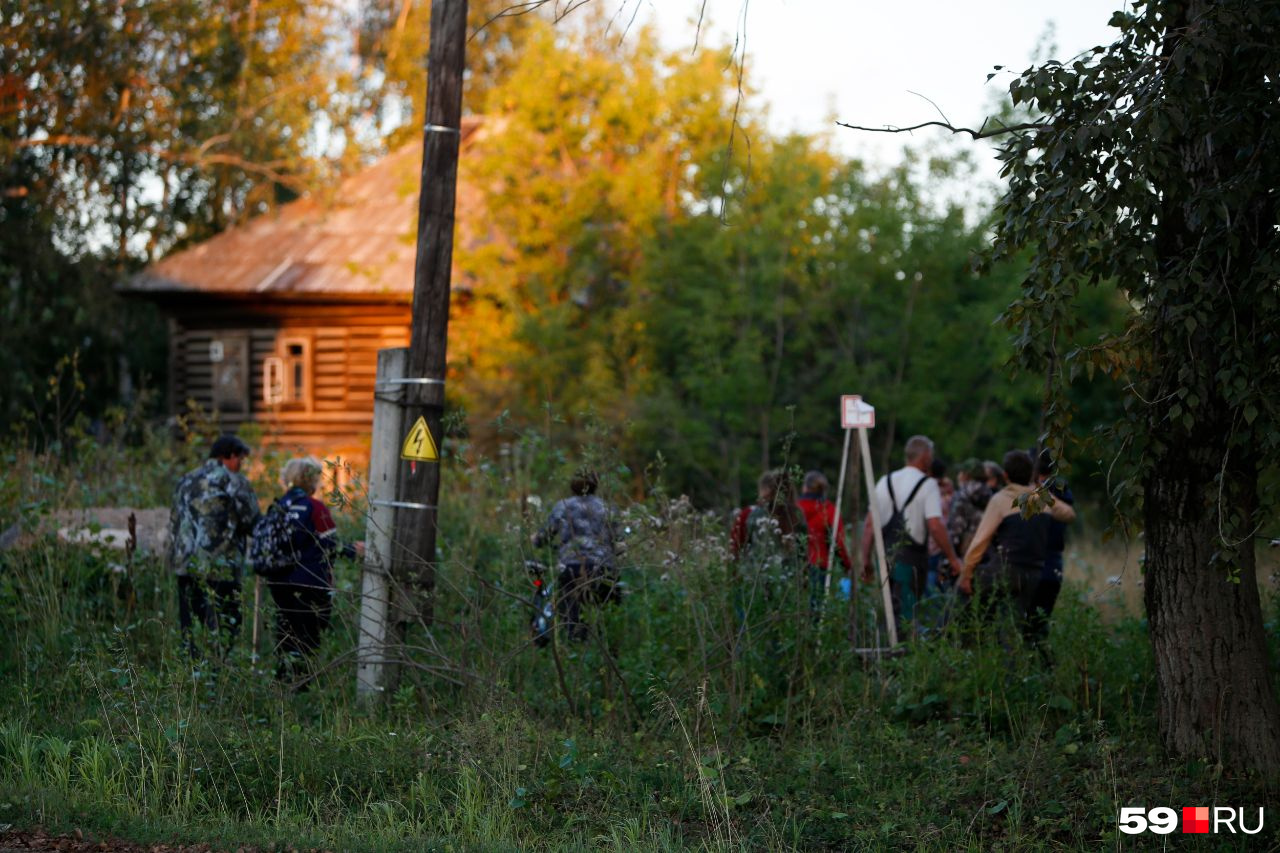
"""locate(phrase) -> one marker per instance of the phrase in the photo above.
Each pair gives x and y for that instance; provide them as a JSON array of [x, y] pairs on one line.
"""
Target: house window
[[287, 376], [297, 370], [228, 356]]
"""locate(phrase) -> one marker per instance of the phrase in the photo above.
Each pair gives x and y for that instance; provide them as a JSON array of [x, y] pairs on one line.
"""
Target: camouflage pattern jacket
[[965, 513], [209, 524], [582, 530]]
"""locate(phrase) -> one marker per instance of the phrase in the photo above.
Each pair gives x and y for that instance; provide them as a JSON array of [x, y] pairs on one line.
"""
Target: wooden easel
[[855, 414]]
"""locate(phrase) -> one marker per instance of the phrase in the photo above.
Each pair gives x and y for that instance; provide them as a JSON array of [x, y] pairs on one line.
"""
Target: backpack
[[271, 551], [897, 539]]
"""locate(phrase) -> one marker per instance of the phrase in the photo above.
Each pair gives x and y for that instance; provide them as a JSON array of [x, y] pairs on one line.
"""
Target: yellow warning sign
[[419, 445]]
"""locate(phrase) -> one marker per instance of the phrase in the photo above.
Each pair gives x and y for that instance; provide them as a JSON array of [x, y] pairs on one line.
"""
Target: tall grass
[[688, 719]]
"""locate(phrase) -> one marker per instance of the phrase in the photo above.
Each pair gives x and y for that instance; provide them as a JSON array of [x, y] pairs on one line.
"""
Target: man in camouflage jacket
[[582, 530], [214, 510]]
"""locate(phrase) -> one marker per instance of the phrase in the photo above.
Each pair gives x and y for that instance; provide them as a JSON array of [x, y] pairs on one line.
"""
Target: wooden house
[[279, 321]]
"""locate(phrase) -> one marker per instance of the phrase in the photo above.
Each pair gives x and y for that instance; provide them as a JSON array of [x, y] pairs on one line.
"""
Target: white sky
[[859, 60]]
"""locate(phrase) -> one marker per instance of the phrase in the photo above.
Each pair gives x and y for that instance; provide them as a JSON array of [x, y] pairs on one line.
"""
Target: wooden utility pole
[[417, 494]]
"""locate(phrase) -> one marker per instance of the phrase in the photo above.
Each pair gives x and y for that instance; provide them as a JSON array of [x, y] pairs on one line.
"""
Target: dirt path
[[108, 525]]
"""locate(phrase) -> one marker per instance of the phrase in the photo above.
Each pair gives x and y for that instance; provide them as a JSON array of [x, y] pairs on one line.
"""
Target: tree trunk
[[1212, 668], [1217, 700]]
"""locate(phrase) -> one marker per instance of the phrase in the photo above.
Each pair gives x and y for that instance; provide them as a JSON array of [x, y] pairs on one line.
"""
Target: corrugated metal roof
[[359, 244]]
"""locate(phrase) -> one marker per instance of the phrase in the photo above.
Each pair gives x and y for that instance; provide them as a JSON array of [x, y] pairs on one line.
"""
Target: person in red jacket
[[820, 516]]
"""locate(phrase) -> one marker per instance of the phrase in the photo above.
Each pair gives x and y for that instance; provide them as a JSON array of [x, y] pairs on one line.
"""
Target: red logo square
[[1195, 819]]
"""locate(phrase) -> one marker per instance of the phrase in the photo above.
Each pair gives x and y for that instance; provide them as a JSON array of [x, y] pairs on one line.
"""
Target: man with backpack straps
[[910, 509]]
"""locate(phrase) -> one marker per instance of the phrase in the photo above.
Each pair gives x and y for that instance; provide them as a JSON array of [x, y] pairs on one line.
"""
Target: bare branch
[[513, 11], [200, 157], [935, 106], [740, 51], [631, 23], [697, 34], [980, 133]]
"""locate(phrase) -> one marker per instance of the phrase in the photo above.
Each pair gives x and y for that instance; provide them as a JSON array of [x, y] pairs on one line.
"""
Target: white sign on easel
[[855, 413]]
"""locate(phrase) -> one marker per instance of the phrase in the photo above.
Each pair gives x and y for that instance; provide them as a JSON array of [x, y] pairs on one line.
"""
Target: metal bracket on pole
[[403, 504], [420, 381], [391, 386]]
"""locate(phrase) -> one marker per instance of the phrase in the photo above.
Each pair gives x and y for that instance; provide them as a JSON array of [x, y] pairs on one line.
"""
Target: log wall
[[343, 342]]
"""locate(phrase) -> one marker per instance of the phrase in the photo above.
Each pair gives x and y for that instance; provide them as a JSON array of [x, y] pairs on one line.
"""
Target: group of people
[[215, 513], [213, 516], [996, 534], [766, 535]]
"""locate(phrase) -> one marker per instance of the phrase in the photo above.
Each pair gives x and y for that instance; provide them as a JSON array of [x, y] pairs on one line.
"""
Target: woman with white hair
[[304, 597]]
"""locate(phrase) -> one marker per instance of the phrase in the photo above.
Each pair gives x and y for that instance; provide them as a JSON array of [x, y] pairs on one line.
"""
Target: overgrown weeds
[[692, 717]]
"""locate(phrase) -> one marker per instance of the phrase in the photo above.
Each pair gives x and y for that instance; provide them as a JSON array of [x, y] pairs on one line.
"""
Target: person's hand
[[956, 567], [965, 586], [359, 546]]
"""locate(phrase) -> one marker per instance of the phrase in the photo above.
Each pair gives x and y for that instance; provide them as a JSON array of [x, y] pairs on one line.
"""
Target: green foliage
[[1147, 176], [709, 290], [72, 345], [1145, 172], [826, 281]]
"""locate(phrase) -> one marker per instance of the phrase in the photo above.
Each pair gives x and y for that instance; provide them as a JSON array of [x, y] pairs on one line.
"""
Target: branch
[[935, 106], [980, 133], [200, 157], [697, 35], [517, 9]]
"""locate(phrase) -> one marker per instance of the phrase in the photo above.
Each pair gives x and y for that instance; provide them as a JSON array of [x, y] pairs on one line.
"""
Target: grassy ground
[[672, 728]]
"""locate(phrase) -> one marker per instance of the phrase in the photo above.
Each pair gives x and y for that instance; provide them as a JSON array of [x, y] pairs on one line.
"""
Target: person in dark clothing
[[304, 598], [583, 530], [937, 581], [1056, 543], [1020, 546], [213, 513]]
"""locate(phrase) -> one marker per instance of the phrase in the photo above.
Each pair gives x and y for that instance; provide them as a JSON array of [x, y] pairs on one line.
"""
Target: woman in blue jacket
[[304, 597]]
